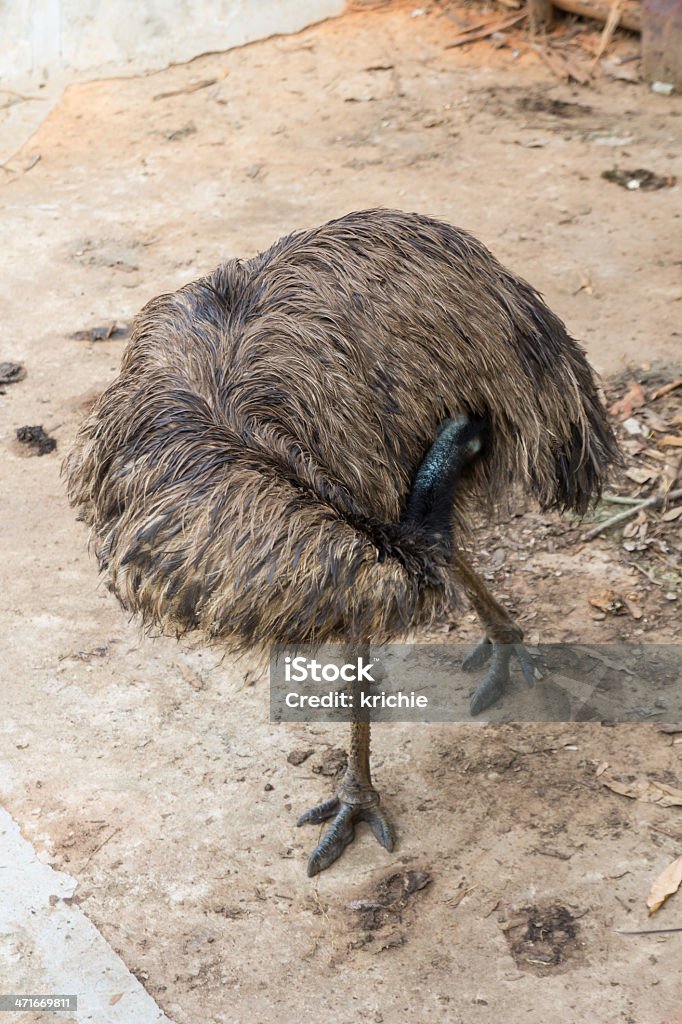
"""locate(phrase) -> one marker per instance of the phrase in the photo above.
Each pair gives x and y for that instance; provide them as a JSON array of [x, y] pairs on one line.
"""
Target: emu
[[294, 444]]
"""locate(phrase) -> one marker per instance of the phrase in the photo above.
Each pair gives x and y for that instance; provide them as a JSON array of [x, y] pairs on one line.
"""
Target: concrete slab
[[48, 946]]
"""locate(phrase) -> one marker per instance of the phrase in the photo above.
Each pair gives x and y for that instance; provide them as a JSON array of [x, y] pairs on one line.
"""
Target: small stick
[[609, 29], [666, 389], [649, 575], [620, 517], [99, 847], [20, 95], [648, 931], [486, 28], [657, 828], [203, 84], [617, 500]]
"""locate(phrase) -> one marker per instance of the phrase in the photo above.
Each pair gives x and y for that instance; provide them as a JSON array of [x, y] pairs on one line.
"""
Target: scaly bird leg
[[356, 800], [429, 507], [502, 640]]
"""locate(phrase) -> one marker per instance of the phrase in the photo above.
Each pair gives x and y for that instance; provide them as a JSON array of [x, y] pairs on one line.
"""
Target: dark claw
[[341, 831], [527, 663], [497, 676], [479, 656], [321, 812], [486, 694], [382, 829], [336, 838]]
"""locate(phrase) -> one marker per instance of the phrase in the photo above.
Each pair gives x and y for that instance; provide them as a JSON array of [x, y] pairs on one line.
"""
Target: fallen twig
[[648, 931], [203, 84], [649, 575], [667, 388], [486, 28], [620, 517], [99, 847], [19, 95], [610, 27], [616, 499]]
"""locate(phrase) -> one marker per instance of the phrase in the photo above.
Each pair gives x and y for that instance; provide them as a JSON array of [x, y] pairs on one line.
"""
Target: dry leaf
[[640, 476], [607, 601], [647, 790], [633, 398], [667, 883], [115, 998], [190, 676], [655, 421], [672, 514], [672, 441], [632, 446]]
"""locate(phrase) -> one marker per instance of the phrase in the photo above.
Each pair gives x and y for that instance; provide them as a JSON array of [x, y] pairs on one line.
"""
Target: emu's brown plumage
[[248, 471]]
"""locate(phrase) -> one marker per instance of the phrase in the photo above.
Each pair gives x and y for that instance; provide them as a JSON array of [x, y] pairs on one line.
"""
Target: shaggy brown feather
[[247, 471]]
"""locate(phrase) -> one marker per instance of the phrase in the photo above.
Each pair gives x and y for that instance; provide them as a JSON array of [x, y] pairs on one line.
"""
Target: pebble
[[663, 88]]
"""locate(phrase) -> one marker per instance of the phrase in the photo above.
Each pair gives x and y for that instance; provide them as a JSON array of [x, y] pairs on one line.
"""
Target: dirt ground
[[149, 770]]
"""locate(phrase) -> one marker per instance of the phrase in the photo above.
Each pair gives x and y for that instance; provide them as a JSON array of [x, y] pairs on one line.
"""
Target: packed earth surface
[[149, 769]]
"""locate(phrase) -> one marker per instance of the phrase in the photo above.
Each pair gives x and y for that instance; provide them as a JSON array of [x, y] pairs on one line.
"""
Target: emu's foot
[[497, 676], [341, 832]]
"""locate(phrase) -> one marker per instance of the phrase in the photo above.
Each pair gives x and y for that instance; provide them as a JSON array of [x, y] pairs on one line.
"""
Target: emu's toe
[[497, 676], [341, 831], [479, 656]]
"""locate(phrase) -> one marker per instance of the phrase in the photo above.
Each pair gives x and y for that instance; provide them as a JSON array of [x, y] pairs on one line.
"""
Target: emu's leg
[[502, 639], [356, 800], [429, 507]]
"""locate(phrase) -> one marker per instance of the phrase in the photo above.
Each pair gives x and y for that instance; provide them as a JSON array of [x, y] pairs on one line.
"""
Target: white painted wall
[[42, 40]]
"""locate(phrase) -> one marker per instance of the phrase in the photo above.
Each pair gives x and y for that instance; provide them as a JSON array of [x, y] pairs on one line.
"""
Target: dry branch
[[620, 517], [630, 15]]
